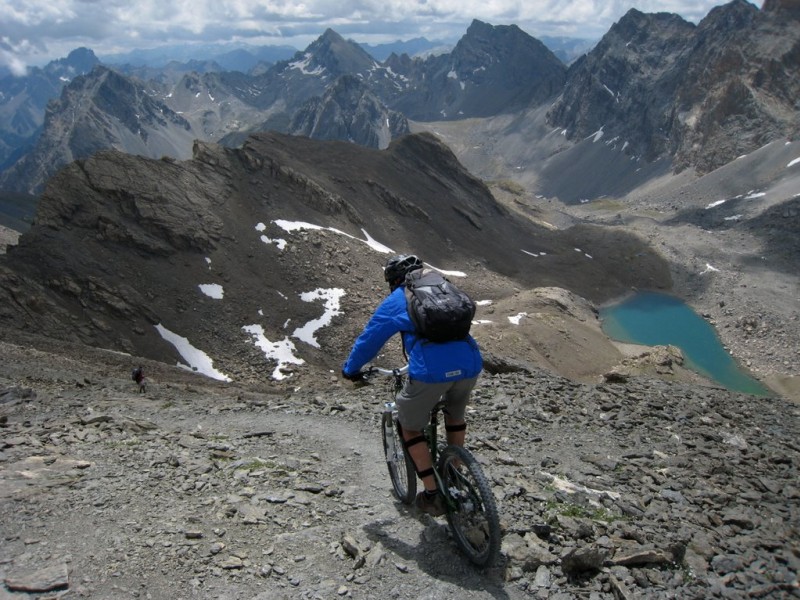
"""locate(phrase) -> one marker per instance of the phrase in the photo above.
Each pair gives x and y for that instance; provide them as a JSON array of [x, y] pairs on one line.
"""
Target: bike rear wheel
[[401, 468], [472, 511]]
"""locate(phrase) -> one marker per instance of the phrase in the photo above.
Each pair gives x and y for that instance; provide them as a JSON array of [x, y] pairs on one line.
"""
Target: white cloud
[[36, 31]]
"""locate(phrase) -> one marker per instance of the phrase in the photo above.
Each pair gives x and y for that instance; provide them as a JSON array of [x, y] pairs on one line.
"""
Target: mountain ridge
[[119, 210], [623, 88], [732, 79]]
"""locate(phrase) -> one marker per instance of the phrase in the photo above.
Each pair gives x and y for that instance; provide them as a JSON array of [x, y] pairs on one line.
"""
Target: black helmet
[[397, 267]]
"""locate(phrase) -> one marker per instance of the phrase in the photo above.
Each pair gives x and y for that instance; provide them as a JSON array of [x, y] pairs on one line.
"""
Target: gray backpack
[[440, 311]]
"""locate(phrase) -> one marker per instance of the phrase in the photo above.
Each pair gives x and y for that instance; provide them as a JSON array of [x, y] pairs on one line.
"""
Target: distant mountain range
[[656, 87], [246, 57], [229, 57]]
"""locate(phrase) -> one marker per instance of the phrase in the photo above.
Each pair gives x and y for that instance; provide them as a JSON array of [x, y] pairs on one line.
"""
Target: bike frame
[[430, 432], [466, 492]]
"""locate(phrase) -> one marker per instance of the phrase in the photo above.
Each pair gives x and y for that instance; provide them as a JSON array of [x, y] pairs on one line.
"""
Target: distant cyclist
[[138, 377], [449, 370]]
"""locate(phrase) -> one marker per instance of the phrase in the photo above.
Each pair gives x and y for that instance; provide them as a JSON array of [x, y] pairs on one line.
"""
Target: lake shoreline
[[657, 319]]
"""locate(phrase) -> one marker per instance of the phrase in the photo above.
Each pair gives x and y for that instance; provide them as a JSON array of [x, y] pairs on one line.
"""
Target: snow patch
[[212, 290], [197, 359]]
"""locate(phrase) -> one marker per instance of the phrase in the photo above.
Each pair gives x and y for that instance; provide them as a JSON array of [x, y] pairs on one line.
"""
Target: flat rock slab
[[47, 579]]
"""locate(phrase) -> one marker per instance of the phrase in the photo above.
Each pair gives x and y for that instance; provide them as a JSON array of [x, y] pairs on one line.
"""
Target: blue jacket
[[427, 361]]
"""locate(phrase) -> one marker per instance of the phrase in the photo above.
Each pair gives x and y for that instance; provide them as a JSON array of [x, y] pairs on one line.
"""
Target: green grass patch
[[576, 511], [512, 187], [606, 204], [128, 443]]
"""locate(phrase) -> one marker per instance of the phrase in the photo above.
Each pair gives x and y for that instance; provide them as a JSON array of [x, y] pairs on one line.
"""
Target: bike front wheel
[[471, 508], [401, 468]]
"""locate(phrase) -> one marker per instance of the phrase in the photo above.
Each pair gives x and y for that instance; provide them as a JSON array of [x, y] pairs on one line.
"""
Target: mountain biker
[[436, 370], [138, 377]]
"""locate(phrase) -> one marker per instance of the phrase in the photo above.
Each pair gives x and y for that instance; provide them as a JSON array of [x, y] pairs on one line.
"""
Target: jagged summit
[[328, 57], [349, 111], [102, 109], [79, 61], [339, 56], [696, 96], [492, 70], [23, 101]]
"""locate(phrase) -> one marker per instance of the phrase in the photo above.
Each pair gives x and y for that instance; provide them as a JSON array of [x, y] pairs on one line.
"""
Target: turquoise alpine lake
[[654, 319]]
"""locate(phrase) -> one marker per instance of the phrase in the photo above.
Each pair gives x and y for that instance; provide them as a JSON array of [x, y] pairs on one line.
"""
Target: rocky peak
[[640, 29], [78, 62], [786, 8], [23, 99], [504, 54], [492, 70], [339, 56], [349, 111], [729, 19], [399, 63], [697, 96], [102, 109], [623, 86]]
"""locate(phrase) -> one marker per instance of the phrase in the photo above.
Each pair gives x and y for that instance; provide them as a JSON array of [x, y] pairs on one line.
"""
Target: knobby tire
[[401, 470], [474, 522]]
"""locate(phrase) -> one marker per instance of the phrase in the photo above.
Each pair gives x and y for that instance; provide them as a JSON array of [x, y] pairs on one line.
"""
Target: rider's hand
[[359, 376]]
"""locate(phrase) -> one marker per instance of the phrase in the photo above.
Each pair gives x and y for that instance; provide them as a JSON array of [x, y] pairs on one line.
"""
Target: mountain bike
[[469, 503]]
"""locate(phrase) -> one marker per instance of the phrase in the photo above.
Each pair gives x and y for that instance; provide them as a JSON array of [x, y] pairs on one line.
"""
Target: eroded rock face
[[101, 109], [349, 111], [492, 70], [700, 95], [786, 8], [24, 99]]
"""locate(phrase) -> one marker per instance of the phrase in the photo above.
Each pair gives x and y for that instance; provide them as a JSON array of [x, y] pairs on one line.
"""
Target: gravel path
[[199, 489]]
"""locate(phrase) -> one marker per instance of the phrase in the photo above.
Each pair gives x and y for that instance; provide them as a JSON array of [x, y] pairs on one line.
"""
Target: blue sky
[[33, 32]]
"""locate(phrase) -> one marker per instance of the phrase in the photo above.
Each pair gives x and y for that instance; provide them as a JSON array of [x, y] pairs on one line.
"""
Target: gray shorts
[[416, 399]]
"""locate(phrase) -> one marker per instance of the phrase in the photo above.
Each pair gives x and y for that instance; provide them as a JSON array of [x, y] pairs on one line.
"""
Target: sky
[[34, 32]]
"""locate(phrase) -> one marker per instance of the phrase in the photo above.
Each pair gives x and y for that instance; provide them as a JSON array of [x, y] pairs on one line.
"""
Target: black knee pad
[[454, 428]]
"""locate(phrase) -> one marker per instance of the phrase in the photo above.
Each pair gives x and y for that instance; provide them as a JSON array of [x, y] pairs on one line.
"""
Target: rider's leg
[[456, 431], [421, 456], [456, 399], [414, 404]]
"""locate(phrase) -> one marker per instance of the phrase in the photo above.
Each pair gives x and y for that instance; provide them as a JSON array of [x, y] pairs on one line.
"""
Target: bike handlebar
[[372, 370]]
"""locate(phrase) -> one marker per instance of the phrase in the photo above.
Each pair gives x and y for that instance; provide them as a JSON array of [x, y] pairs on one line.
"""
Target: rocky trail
[[199, 489]]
